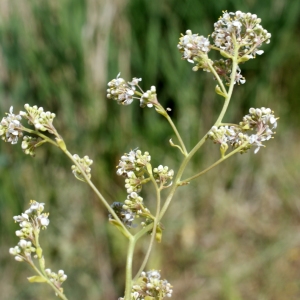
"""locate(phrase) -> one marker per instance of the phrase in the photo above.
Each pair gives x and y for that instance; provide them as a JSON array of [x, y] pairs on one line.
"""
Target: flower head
[[39, 118], [30, 222], [263, 121], [134, 161], [135, 203], [193, 46], [259, 120], [56, 278], [85, 164], [133, 165], [162, 174], [29, 145], [11, 127], [150, 286], [122, 91], [243, 28], [125, 92], [124, 214]]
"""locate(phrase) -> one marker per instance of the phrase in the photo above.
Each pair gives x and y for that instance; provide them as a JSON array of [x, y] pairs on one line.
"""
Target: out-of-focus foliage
[[233, 234]]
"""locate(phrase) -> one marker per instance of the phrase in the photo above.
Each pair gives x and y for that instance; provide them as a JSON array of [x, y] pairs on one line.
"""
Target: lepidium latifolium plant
[[237, 38]]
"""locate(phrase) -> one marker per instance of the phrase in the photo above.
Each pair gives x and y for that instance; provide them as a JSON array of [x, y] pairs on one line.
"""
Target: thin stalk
[[128, 282], [41, 260], [44, 137], [212, 69], [177, 181], [57, 291], [178, 176], [232, 82], [143, 231], [87, 179], [214, 164], [177, 133], [90, 183], [155, 222]]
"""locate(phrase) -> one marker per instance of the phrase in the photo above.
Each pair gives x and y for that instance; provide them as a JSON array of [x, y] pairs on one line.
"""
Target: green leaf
[[117, 224], [61, 144], [38, 279], [219, 91], [244, 58], [39, 252], [158, 235], [225, 54]]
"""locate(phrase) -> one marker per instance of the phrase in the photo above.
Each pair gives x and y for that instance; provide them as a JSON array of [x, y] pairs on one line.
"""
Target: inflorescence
[[135, 167], [11, 130], [31, 222], [125, 92], [234, 33], [149, 285], [83, 167], [260, 120], [39, 118], [11, 127]]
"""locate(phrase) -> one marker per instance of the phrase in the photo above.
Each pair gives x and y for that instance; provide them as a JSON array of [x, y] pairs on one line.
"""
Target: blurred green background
[[233, 234]]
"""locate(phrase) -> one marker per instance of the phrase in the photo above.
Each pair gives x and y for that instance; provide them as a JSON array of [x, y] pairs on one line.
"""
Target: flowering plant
[[237, 37]]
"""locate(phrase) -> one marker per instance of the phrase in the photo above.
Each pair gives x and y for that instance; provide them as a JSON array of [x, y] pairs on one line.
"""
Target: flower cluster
[[31, 221], [134, 203], [56, 278], [148, 98], [193, 46], [125, 214], [39, 118], [150, 286], [234, 33], [223, 69], [11, 127], [242, 30], [125, 92], [134, 161], [133, 165], [163, 174], [29, 144], [85, 164], [261, 120]]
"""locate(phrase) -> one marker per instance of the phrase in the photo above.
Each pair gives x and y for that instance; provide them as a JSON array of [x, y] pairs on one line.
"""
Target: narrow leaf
[[36, 279]]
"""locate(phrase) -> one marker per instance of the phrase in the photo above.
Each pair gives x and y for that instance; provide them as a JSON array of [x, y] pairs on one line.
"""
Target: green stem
[[186, 181], [57, 291], [44, 137], [176, 132], [228, 124], [177, 181], [212, 69], [87, 179], [128, 282], [41, 260], [100, 196], [155, 222], [232, 81]]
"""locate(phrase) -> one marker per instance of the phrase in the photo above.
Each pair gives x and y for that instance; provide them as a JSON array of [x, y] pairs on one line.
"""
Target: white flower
[[43, 220], [192, 46], [11, 127]]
